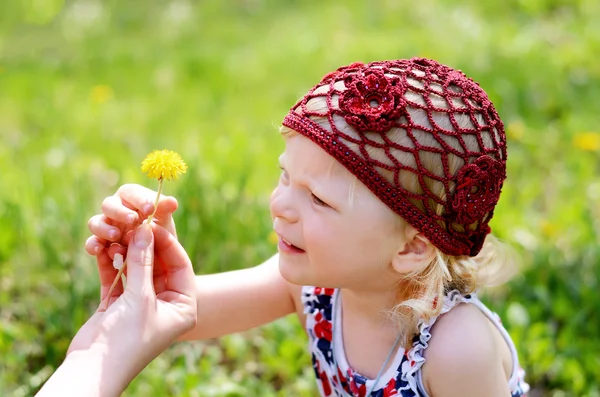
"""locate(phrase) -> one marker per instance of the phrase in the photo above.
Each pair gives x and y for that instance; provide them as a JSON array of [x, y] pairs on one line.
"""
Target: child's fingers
[[139, 197], [142, 199], [177, 263], [100, 227], [114, 208], [164, 213], [94, 245], [140, 261], [116, 249]]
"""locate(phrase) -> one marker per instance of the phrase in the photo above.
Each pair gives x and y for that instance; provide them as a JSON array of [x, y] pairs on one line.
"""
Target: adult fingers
[[107, 274], [140, 260], [160, 273], [177, 263]]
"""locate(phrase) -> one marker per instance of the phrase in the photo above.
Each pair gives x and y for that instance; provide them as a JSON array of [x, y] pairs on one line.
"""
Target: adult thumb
[[140, 260]]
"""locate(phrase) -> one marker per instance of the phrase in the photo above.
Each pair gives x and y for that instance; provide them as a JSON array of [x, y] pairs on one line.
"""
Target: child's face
[[333, 231]]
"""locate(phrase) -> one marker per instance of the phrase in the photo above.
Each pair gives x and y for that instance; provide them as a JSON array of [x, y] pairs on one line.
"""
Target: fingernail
[[118, 261], [112, 234], [131, 219], [97, 249], [148, 209], [143, 236]]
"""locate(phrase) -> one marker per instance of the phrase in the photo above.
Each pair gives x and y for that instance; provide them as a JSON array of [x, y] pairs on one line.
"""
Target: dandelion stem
[[120, 273], [114, 284], [160, 188]]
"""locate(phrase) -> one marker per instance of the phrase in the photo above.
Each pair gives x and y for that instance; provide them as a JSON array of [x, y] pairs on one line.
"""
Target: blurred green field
[[89, 87]]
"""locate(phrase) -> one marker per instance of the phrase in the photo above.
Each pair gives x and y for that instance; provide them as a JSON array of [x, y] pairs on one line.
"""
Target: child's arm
[[242, 299], [464, 357]]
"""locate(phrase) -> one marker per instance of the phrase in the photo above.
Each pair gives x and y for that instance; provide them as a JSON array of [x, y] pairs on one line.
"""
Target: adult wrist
[[112, 367], [86, 373]]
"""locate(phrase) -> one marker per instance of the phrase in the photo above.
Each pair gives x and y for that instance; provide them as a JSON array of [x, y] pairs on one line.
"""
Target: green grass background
[[89, 87]]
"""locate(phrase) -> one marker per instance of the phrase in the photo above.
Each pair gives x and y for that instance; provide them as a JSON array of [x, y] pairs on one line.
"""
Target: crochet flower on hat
[[372, 101], [478, 189]]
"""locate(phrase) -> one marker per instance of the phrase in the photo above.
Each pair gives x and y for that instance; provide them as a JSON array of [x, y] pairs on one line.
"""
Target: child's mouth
[[286, 246]]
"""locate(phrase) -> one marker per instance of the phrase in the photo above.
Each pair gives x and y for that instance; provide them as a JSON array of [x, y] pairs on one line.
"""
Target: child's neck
[[371, 306], [369, 336]]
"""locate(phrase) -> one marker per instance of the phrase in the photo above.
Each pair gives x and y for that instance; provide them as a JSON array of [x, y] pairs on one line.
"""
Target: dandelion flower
[[588, 141], [164, 164], [101, 94]]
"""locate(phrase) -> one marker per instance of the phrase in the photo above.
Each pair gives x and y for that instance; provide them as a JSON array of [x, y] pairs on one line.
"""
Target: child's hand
[[157, 306], [122, 212]]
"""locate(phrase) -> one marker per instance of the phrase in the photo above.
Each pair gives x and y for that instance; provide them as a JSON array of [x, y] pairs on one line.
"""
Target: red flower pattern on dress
[[390, 389], [342, 378], [323, 328], [372, 101], [324, 380], [324, 291], [356, 389], [325, 383]]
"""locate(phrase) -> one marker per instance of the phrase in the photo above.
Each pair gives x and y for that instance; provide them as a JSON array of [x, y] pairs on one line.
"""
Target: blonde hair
[[421, 294]]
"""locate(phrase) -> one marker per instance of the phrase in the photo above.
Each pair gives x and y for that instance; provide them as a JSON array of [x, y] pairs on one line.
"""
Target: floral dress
[[403, 377]]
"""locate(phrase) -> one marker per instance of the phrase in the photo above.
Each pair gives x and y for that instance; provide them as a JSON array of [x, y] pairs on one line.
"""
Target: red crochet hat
[[422, 136]]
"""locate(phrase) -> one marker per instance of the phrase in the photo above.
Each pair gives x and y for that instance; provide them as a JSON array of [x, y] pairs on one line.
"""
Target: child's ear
[[416, 253]]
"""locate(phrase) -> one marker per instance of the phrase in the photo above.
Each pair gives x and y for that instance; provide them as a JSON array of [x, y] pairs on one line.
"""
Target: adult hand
[[141, 321]]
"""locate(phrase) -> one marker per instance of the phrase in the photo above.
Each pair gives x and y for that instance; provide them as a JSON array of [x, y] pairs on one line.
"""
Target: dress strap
[[516, 384], [421, 342], [495, 319]]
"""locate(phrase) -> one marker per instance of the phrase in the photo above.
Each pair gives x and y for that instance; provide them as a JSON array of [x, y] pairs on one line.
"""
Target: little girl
[[390, 175]]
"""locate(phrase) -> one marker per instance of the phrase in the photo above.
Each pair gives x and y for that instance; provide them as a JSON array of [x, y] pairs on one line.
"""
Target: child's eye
[[318, 201]]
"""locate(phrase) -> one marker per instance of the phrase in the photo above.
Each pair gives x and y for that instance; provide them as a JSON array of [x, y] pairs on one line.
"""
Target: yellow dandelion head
[[515, 130], [164, 164], [101, 94], [589, 141], [273, 238]]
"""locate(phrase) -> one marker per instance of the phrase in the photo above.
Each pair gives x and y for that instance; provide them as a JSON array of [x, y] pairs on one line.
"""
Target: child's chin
[[295, 273]]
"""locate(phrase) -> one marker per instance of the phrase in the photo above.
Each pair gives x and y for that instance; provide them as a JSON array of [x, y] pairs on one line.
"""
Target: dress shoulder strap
[[421, 341], [516, 382]]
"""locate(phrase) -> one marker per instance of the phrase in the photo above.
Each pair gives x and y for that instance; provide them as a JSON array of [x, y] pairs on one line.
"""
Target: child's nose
[[282, 206]]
